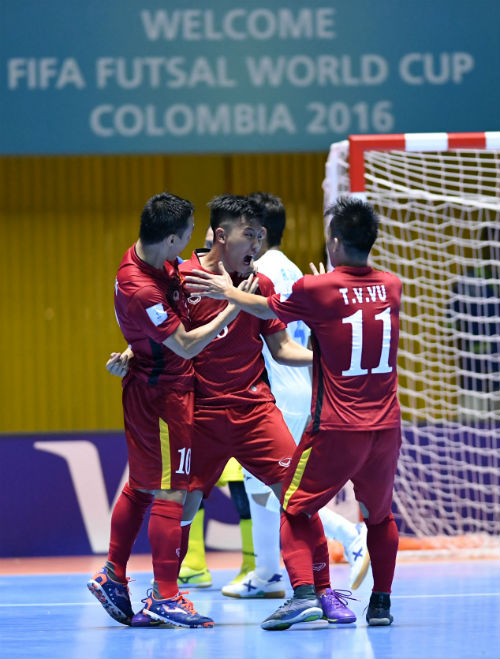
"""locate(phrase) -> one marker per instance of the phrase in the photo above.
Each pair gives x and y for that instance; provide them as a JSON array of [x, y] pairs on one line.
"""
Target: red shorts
[[256, 435], [158, 428], [324, 461]]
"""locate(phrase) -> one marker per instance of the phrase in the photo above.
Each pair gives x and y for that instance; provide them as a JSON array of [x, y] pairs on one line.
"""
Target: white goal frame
[[462, 498]]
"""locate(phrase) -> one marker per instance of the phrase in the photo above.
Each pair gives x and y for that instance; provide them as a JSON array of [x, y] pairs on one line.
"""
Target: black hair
[[272, 215], [163, 215], [230, 207], [355, 223]]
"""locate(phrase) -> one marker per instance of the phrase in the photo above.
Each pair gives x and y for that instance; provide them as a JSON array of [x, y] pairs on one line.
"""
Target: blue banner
[[171, 77], [58, 492]]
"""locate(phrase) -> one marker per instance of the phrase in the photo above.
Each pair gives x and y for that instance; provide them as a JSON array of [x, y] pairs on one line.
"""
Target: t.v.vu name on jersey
[[362, 294]]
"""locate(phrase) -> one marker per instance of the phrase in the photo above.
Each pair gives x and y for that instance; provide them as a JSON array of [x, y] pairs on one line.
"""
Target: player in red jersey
[[235, 412], [158, 396], [355, 431]]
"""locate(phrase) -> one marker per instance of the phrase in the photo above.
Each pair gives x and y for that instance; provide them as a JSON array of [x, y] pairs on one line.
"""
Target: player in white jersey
[[292, 389]]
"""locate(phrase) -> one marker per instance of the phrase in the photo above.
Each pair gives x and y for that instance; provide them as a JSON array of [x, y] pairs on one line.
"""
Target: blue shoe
[[292, 612], [334, 605], [113, 595], [174, 612]]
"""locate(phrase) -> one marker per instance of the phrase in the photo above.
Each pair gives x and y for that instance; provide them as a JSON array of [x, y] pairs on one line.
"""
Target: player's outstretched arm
[[286, 351], [183, 343], [221, 287], [189, 344]]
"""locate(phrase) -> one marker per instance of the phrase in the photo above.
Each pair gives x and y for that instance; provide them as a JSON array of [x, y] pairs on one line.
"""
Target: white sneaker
[[252, 587], [358, 558]]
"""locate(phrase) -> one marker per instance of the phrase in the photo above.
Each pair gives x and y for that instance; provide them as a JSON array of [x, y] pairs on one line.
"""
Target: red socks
[[321, 556], [126, 521], [164, 534], [382, 541], [305, 550]]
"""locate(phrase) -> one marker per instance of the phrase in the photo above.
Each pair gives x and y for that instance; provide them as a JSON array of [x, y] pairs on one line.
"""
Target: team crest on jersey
[[194, 299], [157, 314], [223, 333], [285, 462]]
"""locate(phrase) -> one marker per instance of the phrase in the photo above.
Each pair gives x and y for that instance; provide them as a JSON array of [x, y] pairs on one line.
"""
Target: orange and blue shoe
[[113, 595], [174, 612]]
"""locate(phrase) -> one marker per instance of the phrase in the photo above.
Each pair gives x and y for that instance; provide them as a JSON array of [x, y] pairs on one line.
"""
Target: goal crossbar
[[358, 144]]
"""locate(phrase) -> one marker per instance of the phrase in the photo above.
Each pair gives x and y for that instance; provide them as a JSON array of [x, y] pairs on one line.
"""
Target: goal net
[[438, 198]]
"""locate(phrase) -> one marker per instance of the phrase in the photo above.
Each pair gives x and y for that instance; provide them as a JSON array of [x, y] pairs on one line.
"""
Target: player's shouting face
[[241, 241]]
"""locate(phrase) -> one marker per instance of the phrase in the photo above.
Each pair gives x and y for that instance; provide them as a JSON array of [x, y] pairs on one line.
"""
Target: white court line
[[393, 597], [3, 605], [410, 597]]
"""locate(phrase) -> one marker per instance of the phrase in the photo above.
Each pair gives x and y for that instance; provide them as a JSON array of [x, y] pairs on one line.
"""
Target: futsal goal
[[438, 198]]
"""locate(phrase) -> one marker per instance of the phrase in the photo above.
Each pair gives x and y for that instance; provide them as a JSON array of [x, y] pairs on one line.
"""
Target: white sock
[[266, 539], [338, 527]]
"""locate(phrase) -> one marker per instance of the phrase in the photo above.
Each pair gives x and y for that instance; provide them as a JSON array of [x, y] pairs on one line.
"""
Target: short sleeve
[[272, 325], [295, 306], [152, 313]]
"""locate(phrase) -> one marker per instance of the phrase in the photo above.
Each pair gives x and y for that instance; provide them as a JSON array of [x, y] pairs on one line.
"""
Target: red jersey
[[353, 314], [230, 370], [150, 304]]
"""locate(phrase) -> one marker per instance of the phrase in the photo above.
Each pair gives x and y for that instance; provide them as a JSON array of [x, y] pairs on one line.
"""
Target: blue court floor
[[442, 610]]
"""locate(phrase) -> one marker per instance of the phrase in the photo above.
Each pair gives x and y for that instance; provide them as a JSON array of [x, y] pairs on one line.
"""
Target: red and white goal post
[[438, 198]]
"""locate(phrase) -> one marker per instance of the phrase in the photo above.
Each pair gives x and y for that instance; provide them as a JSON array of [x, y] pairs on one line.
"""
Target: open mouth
[[248, 260]]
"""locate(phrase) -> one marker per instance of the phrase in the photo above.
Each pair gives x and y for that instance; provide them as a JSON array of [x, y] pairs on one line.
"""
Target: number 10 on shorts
[[185, 461]]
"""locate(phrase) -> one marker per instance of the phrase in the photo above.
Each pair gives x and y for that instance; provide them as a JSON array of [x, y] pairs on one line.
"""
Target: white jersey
[[290, 385]]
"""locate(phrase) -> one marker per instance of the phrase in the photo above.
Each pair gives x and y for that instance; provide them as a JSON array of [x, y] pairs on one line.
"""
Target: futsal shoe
[[194, 578], [173, 612], [334, 605], [292, 612], [113, 595], [379, 610], [245, 569], [358, 557], [253, 587]]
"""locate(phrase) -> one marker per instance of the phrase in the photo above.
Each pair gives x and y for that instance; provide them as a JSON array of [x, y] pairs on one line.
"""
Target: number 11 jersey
[[353, 314]]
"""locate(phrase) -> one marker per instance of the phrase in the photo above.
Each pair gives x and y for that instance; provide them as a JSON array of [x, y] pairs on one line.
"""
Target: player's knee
[[177, 496], [192, 504], [381, 519]]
